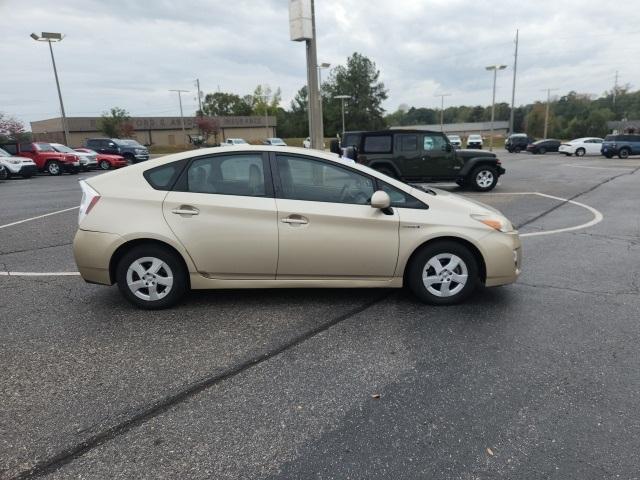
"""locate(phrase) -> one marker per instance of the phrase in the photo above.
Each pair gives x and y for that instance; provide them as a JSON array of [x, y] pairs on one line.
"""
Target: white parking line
[[598, 168], [39, 274], [597, 216], [39, 216]]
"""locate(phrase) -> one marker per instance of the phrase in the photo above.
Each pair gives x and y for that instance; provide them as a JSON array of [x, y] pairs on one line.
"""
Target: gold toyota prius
[[281, 217]]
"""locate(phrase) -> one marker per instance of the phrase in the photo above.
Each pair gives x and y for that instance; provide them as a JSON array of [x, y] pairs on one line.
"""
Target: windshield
[[127, 143], [474, 137], [62, 148], [45, 147], [610, 138], [86, 150], [454, 137], [4, 153]]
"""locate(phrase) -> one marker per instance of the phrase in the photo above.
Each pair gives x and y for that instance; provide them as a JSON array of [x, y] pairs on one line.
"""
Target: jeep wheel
[[387, 171], [624, 153], [580, 152], [443, 273], [483, 178], [54, 168]]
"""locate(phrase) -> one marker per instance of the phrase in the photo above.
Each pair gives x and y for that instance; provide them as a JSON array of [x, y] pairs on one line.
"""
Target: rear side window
[[26, 147], [242, 175], [377, 144], [12, 149], [408, 143], [164, 176]]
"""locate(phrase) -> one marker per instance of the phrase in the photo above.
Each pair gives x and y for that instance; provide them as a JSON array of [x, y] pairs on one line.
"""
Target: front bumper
[[141, 156], [474, 145], [502, 254]]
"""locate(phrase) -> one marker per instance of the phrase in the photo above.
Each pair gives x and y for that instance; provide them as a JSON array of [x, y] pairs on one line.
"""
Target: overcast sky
[[129, 53]]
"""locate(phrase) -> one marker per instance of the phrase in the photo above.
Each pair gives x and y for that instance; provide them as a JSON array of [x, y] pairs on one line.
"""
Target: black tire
[[608, 155], [580, 152], [624, 153], [54, 168], [130, 158], [177, 271], [387, 171], [517, 149], [419, 263], [542, 151], [483, 171], [104, 165]]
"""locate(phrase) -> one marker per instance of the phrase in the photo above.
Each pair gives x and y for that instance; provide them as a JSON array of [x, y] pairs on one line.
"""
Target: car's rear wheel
[[483, 178], [542, 151], [443, 273], [151, 277], [54, 168], [624, 153], [104, 165], [387, 171], [580, 152]]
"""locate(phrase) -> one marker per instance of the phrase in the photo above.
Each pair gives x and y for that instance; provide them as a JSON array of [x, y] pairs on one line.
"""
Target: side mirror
[[380, 200]]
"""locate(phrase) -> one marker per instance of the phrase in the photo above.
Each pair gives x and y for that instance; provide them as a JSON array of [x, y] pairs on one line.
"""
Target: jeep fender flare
[[472, 163], [375, 165]]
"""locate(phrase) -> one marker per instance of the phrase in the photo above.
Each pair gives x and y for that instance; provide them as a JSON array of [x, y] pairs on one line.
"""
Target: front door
[[225, 215], [327, 229]]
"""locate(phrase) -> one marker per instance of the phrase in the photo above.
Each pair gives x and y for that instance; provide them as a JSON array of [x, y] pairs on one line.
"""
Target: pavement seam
[[154, 409], [36, 248], [589, 190]]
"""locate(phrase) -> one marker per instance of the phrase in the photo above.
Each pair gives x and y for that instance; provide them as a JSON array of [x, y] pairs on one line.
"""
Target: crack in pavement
[[635, 291], [36, 248], [151, 410]]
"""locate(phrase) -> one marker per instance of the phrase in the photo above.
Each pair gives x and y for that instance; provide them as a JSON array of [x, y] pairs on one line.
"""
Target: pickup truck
[[419, 156], [45, 157]]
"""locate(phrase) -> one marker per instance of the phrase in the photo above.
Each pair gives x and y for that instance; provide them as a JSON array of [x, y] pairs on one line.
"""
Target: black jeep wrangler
[[423, 156]]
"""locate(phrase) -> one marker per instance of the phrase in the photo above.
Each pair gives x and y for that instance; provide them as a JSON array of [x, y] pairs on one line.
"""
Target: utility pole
[[199, 97], [546, 113], [184, 131], [513, 89], [442, 95], [495, 69], [342, 99], [615, 89]]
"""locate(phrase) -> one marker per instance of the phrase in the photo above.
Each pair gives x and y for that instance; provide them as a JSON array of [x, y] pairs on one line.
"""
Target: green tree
[[112, 122], [224, 104]]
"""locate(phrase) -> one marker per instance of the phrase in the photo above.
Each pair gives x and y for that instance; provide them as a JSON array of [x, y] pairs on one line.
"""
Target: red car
[[105, 162], [46, 158]]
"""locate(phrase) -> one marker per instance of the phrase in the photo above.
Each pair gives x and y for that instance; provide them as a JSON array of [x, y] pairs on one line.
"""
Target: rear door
[[327, 229], [437, 156], [223, 211], [408, 153]]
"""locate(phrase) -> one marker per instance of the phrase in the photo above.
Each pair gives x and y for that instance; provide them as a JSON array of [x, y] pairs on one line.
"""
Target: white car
[[307, 142], [20, 166], [87, 160], [278, 142], [582, 146], [474, 141], [455, 141], [235, 141]]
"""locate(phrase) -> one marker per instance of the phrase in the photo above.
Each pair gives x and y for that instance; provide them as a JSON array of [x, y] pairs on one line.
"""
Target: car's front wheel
[[104, 165], [517, 149], [484, 178], [624, 153], [151, 277], [54, 168], [542, 151], [443, 273]]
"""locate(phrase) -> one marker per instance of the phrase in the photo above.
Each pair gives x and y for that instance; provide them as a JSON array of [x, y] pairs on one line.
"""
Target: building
[[624, 126], [155, 130], [464, 129]]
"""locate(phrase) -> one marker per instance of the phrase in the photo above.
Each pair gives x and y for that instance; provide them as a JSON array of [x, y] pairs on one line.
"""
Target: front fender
[[472, 163]]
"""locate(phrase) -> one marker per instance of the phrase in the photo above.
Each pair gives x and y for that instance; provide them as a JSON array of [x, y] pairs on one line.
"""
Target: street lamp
[[265, 98], [342, 99], [442, 95], [495, 69], [50, 37], [320, 67], [184, 132]]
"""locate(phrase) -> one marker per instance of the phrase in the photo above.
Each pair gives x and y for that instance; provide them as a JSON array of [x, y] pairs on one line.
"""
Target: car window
[[434, 143], [164, 176], [408, 143], [597, 140], [26, 147], [318, 181], [351, 140], [399, 198], [377, 144], [228, 175], [12, 149]]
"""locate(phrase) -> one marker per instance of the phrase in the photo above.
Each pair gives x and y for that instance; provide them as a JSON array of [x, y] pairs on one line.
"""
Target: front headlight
[[496, 222], [14, 161]]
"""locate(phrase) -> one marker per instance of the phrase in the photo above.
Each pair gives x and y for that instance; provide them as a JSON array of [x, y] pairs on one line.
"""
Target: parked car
[[455, 141], [306, 143], [45, 157], [105, 161], [544, 146], [88, 161], [235, 141], [516, 142], [128, 148], [17, 166], [334, 225], [3, 173], [621, 145], [424, 156], [275, 141], [582, 146], [474, 141]]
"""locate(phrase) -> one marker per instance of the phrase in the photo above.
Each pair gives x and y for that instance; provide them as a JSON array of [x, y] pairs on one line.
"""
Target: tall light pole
[[495, 69], [320, 67], [342, 99], [546, 111], [513, 89], [442, 95], [265, 98], [51, 37], [184, 132], [199, 97]]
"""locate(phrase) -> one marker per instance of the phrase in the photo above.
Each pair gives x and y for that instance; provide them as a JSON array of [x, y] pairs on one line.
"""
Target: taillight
[[89, 200]]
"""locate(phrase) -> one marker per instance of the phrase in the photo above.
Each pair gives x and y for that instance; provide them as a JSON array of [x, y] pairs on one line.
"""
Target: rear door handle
[[295, 220], [185, 210]]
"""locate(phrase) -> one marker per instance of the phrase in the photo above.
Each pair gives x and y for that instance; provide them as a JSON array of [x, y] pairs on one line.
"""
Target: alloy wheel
[[445, 275], [104, 165], [149, 278], [484, 178]]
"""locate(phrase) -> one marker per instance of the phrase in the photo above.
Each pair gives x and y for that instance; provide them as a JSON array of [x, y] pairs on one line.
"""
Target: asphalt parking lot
[[539, 379]]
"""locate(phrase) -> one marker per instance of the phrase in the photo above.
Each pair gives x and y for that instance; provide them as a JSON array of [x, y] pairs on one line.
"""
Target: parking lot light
[[495, 69], [342, 98], [51, 37]]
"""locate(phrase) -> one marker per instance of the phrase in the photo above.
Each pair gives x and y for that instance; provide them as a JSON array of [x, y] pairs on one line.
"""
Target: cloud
[[130, 53]]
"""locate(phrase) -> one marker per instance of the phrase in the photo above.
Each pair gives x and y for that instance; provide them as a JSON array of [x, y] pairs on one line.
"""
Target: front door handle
[[185, 210], [295, 220]]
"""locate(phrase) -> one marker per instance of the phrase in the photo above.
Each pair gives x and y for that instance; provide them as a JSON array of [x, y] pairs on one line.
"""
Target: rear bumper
[[92, 252]]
